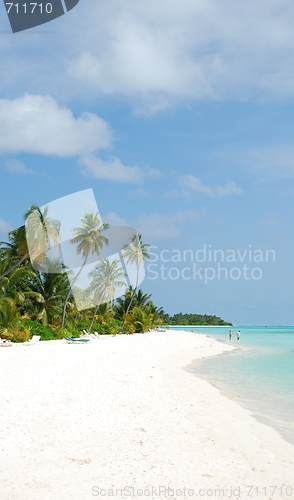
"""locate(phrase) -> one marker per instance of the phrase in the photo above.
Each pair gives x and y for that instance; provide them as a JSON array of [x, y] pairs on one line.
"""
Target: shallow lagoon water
[[259, 374]]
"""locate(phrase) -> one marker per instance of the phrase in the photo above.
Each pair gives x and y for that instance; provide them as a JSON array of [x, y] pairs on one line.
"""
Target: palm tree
[[16, 248], [107, 276], [130, 298], [142, 299], [104, 313], [10, 319], [139, 320], [136, 252], [32, 238], [52, 290], [157, 313], [17, 286], [89, 240]]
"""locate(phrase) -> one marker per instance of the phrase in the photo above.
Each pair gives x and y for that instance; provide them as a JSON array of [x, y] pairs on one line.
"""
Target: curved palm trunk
[[95, 312], [134, 292], [14, 266], [69, 291], [93, 318]]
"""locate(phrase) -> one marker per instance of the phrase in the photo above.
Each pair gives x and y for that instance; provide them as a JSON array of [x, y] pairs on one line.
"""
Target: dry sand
[[80, 421]]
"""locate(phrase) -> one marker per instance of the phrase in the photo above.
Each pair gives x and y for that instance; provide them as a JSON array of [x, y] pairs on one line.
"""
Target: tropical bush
[[47, 332], [138, 320], [21, 335]]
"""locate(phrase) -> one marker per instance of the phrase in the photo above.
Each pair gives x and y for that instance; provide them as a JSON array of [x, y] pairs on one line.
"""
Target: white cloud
[[16, 167], [156, 226], [114, 219], [274, 161], [192, 183], [158, 53], [115, 170], [4, 226], [164, 226], [278, 159], [37, 124], [140, 191]]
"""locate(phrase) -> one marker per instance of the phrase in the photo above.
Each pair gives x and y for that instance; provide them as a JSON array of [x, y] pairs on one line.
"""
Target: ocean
[[259, 374]]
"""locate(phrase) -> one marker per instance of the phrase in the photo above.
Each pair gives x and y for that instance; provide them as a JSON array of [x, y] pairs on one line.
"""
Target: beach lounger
[[33, 341], [70, 340], [5, 343]]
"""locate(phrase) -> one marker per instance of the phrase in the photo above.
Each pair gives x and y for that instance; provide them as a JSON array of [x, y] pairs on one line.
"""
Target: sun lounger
[[33, 341], [71, 340], [5, 343]]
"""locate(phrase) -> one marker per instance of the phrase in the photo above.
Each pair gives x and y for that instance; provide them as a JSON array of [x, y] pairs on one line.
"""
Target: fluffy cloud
[[4, 226], [16, 167], [276, 160], [37, 124], [157, 53], [114, 219], [115, 170], [156, 226], [160, 52], [164, 226], [192, 183]]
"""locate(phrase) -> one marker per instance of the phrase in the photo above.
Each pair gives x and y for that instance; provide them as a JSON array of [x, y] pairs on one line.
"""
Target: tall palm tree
[[136, 252], [89, 240], [107, 276], [32, 238], [41, 231]]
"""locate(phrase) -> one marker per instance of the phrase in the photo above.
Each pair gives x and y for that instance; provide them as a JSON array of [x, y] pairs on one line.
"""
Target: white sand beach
[[80, 421]]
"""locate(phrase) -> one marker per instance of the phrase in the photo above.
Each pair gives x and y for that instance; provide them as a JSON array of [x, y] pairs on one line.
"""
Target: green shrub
[[47, 332], [109, 328], [21, 335]]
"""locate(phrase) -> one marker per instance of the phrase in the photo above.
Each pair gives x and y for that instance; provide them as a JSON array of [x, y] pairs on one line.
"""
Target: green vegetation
[[33, 302], [36, 302], [194, 319]]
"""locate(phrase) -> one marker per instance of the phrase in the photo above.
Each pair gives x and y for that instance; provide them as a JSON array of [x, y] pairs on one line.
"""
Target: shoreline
[[233, 391], [125, 411]]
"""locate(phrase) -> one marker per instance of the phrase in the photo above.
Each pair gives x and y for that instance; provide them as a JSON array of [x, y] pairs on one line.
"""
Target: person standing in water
[[238, 335], [230, 335]]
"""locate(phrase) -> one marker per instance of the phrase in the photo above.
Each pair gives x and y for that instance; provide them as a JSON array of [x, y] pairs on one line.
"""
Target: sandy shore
[[80, 421]]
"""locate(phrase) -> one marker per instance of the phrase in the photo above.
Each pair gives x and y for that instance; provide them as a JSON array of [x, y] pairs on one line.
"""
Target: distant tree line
[[194, 319]]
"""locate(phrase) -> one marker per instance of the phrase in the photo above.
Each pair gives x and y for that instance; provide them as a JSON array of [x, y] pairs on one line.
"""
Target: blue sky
[[179, 115]]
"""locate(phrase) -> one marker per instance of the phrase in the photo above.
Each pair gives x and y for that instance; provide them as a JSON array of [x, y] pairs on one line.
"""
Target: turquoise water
[[259, 374]]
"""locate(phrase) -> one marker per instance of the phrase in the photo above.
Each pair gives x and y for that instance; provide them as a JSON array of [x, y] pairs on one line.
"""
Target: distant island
[[194, 319]]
